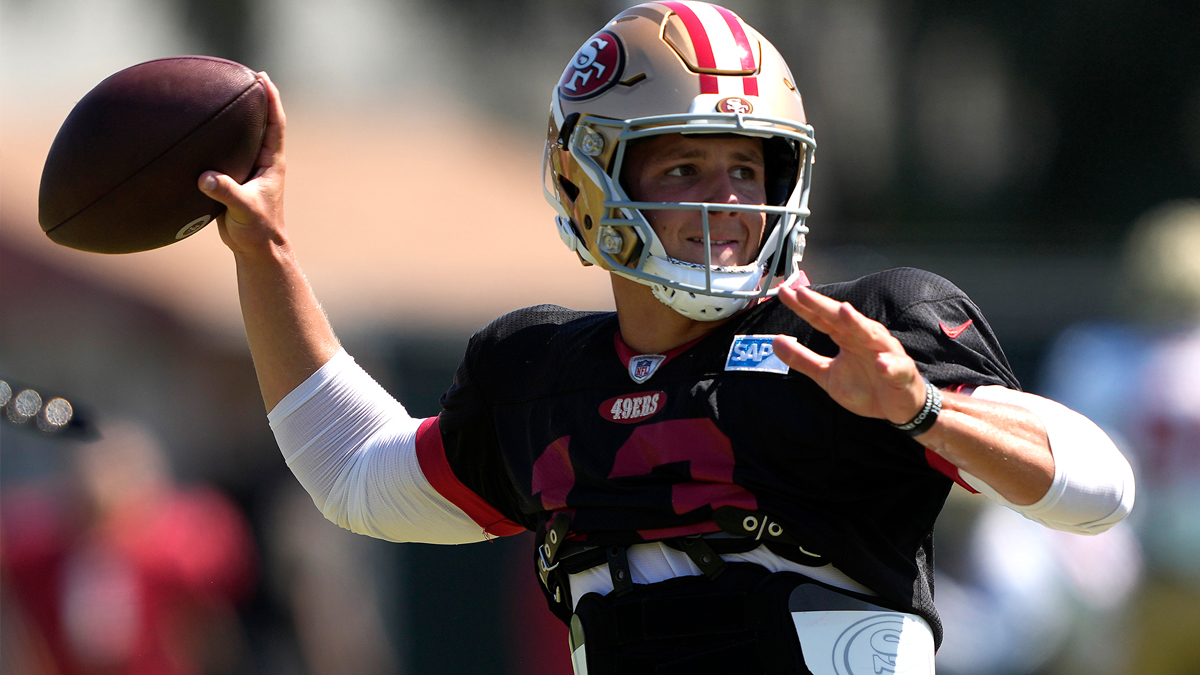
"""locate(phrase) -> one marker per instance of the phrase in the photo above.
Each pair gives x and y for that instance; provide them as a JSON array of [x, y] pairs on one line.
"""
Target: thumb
[[222, 188]]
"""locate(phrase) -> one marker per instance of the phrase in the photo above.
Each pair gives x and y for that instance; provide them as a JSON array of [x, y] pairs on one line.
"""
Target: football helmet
[[676, 67]]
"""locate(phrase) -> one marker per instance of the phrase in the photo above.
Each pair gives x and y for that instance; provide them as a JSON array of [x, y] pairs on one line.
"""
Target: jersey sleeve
[[431, 453], [354, 449], [468, 454], [944, 331]]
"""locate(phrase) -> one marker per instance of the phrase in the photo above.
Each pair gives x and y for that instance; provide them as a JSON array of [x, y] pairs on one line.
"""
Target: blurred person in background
[[324, 576], [1140, 379], [1020, 599], [122, 571], [744, 508]]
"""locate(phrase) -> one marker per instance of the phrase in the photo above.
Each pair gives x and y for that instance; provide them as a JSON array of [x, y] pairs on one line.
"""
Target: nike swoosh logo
[[955, 331]]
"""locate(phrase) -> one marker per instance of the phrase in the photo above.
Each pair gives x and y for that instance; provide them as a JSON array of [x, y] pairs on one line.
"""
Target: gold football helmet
[[676, 67]]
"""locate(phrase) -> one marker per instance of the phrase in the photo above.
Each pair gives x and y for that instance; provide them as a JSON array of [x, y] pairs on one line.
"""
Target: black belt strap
[[762, 528], [703, 555], [618, 569], [547, 551], [743, 530]]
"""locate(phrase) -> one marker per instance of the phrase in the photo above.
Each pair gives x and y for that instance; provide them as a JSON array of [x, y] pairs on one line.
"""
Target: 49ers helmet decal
[[669, 67], [596, 67]]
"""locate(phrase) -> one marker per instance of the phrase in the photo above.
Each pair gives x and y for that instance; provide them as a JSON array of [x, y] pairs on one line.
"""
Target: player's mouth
[[724, 251]]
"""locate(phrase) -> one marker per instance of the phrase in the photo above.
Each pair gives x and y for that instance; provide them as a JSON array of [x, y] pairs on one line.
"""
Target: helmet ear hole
[[783, 264], [781, 159], [569, 189]]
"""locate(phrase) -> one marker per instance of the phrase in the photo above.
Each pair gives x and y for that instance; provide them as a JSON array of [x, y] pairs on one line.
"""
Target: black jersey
[[545, 415]]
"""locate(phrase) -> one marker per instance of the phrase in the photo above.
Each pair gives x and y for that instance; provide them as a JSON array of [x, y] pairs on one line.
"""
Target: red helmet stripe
[[704, 52], [739, 37], [749, 84]]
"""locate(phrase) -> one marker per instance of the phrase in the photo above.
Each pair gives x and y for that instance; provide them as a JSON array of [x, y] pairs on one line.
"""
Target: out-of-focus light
[[55, 415], [23, 406], [51, 414]]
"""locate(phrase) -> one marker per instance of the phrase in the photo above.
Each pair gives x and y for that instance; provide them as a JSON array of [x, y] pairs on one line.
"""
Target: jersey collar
[[626, 353]]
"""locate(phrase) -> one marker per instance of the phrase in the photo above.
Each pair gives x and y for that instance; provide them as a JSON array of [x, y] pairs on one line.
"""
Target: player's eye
[[682, 170]]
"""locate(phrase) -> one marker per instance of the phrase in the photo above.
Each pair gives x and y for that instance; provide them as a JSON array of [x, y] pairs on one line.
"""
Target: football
[[121, 173]]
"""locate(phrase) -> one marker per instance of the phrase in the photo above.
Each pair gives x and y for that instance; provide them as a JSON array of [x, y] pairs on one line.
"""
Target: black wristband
[[928, 414]]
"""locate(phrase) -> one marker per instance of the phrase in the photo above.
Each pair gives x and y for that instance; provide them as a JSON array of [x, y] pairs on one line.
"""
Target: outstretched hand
[[253, 219], [871, 375]]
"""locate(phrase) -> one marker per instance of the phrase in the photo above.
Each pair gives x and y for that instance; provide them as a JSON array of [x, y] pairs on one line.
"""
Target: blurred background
[[1041, 155]]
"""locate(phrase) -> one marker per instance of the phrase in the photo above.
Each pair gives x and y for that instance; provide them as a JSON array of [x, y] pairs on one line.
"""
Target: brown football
[[121, 174]]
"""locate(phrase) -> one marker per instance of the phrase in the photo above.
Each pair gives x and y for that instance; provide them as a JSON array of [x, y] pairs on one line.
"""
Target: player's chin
[[726, 254], [734, 257]]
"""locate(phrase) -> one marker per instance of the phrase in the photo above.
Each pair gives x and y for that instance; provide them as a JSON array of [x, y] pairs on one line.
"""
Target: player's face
[[723, 169]]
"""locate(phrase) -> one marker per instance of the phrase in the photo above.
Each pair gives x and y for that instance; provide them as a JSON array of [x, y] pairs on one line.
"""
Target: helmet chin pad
[[701, 306], [697, 306]]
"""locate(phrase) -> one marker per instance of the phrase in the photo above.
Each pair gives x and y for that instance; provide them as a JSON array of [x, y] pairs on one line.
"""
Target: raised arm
[[1021, 449], [289, 336], [350, 444]]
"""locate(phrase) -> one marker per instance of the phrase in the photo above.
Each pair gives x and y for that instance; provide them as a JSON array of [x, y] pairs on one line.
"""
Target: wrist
[[272, 251], [927, 416]]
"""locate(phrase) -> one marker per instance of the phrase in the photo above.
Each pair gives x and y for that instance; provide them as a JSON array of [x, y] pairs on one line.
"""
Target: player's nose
[[722, 190]]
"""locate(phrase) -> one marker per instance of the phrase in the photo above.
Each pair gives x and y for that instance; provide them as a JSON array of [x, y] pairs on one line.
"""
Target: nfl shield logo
[[643, 366]]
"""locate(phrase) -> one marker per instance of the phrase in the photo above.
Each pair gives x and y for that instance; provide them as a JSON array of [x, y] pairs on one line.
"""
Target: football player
[[734, 472]]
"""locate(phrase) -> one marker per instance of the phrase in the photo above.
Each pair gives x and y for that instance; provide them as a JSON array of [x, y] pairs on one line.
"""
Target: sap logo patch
[[754, 352], [633, 407]]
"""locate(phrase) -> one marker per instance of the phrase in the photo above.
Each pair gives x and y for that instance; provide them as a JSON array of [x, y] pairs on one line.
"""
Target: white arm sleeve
[[354, 449], [1093, 482]]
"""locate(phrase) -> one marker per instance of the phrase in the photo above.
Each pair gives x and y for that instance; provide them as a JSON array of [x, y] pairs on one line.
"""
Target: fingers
[[825, 314], [872, 375], [218, 186], [264, 188], [805, 308], [839, 320], [226, 190], [238, 199], [252, 224], [272, 144], [802, 359]]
